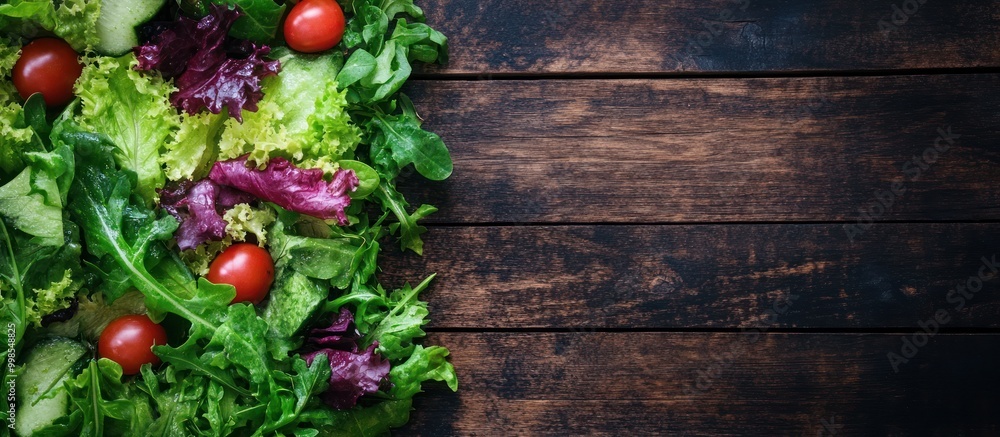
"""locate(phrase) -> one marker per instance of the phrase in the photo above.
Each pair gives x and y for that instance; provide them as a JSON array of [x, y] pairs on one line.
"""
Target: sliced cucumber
[[118, 20], [48, 364]]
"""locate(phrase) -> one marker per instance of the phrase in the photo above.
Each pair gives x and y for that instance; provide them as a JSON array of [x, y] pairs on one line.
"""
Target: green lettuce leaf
[[134, 111], [302, 116], [71, 20], [40, 266], [190, 153], [15, 132], [29, 211]]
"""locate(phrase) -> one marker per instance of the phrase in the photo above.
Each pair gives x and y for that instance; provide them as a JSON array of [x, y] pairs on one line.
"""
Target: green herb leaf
[[411, 144], [423, 365], [260, 24]]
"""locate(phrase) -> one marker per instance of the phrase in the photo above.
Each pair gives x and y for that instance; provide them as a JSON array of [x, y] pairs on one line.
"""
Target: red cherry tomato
[[314, 25], [128, 341], [247, 267], [48, 66]]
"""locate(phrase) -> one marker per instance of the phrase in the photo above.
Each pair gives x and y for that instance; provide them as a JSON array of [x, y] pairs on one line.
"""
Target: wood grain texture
[[655, 36], [711, 150], [720, 276], [711, 384]]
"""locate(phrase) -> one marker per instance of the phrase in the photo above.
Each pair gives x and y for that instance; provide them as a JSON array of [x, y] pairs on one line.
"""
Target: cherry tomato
[[247, 267], [128, 341], [48, 66], [314, 25]]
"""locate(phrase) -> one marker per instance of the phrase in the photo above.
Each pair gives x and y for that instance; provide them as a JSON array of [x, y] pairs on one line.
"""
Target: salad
[[193, 198]]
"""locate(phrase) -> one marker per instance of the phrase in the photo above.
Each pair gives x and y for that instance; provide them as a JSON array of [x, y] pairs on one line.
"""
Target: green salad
[[193, 198]]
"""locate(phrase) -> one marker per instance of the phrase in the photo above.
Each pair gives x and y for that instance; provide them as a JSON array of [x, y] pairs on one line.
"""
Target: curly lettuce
[[71, 20], [13, 130], [212, 70], [189, 153], [133, 110], [294, 121]]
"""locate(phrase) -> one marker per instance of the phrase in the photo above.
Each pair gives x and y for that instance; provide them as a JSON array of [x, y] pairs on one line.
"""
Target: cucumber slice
[[117, 22], [48, 364]]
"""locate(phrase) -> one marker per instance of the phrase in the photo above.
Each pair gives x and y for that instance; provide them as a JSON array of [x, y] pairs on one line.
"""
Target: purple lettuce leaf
[[212, 70], [353, 373], [231, 83], [196, 205], [337, 335], [295, 189]]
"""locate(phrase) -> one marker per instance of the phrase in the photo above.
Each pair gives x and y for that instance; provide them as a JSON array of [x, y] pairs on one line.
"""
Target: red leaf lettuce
[[353, 373], [295, 189], [212, 70], [198, 206]]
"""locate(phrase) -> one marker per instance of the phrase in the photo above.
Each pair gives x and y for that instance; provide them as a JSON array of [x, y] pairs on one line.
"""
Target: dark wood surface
[[648, 384], [648, 237], [670, 36], [710, 150]]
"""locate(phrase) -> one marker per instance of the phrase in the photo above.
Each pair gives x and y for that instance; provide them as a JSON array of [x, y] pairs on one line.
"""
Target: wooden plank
[[655, 36], [710, 150], [712, 384], [717, 276]]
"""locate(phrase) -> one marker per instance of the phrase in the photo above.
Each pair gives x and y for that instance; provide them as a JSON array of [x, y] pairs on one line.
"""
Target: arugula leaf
[[411, 144], [178, 405], [241, 340], [106, 403], [360, 65], [100, 201], [185, 359], [410, 231], [424, 43], [309, 381], [423, 365], [397, 329], [361, 421]]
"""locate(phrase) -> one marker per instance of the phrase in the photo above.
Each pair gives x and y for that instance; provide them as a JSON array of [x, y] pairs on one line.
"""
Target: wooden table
[[714, 217]]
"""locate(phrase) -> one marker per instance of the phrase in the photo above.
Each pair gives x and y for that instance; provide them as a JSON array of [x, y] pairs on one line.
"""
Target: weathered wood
[[655, 36], [708, 150], [719, 276], [712, 384]]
